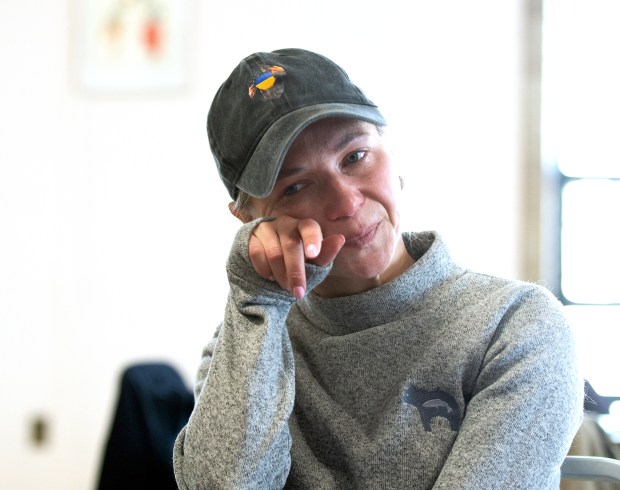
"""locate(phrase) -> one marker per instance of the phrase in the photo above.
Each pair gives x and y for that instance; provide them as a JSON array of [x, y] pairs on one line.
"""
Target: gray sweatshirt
[[442, 378]]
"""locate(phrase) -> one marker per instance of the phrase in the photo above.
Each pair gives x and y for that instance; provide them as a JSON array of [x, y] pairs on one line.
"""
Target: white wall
[[113, 223]]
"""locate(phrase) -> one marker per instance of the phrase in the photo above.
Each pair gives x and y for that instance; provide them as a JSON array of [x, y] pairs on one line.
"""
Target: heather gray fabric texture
[[443, 378]]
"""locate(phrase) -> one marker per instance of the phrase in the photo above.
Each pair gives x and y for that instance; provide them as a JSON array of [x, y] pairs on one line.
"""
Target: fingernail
[[312, 250], [299, 292]]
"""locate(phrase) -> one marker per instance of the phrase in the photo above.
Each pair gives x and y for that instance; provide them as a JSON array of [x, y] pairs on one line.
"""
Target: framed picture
[[131, 45]]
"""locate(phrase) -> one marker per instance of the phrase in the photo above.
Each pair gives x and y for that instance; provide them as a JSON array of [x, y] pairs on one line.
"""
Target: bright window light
[[581, 139], [591, 241]]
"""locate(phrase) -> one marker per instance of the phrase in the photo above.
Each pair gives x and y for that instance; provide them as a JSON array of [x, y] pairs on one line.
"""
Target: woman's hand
[[280, 248]]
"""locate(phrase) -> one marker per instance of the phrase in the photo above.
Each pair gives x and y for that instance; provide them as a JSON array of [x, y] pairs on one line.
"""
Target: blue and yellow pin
[[266, 81]]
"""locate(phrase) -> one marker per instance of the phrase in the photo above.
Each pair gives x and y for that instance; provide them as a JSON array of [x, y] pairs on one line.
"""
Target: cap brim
[[262, 170]]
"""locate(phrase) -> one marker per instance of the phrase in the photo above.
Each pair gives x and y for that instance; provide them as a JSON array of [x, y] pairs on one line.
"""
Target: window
[[580, 141]]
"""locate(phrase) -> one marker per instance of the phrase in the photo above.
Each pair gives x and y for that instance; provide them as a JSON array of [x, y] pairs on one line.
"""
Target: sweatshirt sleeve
[[237, 435], [526, 405]]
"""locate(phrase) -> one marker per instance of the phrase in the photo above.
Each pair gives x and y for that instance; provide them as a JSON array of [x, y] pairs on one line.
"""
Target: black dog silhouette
[[433, 404]]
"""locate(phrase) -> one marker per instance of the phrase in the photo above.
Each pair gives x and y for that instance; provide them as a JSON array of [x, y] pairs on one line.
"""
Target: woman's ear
[[241, 216]]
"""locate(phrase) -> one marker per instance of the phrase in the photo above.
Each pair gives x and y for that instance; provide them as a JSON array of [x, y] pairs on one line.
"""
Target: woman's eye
[[356, 156], [292, 189]]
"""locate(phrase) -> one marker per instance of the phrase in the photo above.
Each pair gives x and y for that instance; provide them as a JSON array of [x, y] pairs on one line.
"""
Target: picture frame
[[131, 46]]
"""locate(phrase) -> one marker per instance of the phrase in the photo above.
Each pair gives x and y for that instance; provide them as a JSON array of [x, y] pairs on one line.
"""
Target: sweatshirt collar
[[390, 301]]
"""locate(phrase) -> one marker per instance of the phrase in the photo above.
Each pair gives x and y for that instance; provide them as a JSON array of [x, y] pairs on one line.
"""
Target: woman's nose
[[343, 198]]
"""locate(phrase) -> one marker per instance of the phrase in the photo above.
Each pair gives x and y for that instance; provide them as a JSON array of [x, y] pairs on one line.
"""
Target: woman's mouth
[[363, 238]]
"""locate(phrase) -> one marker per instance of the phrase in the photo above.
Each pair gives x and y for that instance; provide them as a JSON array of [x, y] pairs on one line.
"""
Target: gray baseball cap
[[265, 103]]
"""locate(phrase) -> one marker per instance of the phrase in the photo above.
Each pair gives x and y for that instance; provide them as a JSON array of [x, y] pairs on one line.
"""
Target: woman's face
[[339, 173]]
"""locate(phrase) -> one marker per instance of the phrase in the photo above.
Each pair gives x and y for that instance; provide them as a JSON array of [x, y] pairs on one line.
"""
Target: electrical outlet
[[39, 430]]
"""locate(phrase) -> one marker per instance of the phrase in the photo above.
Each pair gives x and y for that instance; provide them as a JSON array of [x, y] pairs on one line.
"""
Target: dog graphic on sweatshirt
[[432, 404]]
